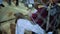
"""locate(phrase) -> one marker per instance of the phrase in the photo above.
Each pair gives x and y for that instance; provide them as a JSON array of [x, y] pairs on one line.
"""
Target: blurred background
[[7, 18]]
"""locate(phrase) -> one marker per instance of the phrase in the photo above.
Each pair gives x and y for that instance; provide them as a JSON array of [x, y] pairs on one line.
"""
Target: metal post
[[48, 17], [17, 2], [9, 2]]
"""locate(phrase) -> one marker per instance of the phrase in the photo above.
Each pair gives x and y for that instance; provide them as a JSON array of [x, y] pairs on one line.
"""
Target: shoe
[[2, 5]]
